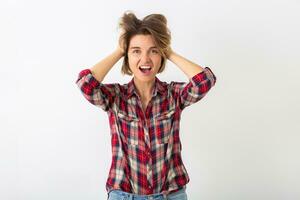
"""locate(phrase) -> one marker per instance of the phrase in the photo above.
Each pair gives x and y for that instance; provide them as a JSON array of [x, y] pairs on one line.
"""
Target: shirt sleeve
[[196, 89], [97, 93]]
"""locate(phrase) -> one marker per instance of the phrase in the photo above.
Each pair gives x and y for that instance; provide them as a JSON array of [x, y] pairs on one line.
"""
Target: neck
[[144, 89]]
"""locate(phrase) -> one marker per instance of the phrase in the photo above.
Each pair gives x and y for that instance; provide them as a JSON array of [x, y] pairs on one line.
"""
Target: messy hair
[[154, 25]]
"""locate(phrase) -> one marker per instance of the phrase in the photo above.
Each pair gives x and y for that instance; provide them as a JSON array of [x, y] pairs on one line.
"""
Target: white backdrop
[[241, 141]]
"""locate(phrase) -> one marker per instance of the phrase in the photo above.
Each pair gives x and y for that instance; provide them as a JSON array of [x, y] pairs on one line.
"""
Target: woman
[[144, 114]]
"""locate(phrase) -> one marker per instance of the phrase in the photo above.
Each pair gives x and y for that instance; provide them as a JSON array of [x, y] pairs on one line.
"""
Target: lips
[[145, 68]]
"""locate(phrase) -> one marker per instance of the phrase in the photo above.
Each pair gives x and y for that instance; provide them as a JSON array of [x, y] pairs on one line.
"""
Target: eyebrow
[[153, 47]]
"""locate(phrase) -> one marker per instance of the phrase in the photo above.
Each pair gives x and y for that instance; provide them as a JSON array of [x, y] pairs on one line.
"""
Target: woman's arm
[[100, 69], [201, 80], [89, 82], [187, 66]]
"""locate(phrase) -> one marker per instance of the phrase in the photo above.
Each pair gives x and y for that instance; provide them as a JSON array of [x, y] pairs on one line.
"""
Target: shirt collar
[[159, 87]]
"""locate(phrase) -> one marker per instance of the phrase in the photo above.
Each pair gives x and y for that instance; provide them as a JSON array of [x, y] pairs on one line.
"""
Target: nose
[[145, 57]]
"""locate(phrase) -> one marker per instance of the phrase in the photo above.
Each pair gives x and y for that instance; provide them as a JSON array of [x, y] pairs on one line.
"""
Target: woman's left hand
[[169, 52]]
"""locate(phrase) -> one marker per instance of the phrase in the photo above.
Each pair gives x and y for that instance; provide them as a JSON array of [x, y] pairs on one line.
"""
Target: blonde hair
[[154, 25]]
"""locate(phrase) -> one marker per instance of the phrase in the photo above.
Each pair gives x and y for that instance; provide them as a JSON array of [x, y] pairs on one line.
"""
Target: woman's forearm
[[187, 66], [100, 69]]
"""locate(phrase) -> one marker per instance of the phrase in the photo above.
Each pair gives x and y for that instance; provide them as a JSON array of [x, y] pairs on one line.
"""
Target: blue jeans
[[120, 195]]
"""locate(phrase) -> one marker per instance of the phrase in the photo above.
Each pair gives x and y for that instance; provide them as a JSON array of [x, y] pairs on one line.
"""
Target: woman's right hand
[[120, 42]]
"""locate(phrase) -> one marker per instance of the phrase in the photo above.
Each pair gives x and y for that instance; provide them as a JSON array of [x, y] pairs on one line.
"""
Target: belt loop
[[130, 196], [165, 196]]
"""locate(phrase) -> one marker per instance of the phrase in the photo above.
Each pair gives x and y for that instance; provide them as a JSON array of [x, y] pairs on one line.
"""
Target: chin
[[146, 79]]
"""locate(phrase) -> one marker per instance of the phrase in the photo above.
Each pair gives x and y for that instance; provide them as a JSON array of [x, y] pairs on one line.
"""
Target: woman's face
[[143, 57]]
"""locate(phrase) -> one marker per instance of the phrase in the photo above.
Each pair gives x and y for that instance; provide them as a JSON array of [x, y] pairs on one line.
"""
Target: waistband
[[133, 196]]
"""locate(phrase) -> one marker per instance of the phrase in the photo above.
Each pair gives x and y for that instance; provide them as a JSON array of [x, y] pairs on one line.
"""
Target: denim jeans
[[120, 195]]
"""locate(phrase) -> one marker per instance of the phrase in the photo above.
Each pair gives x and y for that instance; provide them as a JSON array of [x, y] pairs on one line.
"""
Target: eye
[[154, 51], [136, 51]]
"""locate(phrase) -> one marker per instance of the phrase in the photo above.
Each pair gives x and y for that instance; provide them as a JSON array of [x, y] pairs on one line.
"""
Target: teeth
[[145, 67]]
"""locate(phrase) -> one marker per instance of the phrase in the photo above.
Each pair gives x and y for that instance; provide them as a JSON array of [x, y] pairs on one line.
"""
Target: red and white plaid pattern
[[146, 148]]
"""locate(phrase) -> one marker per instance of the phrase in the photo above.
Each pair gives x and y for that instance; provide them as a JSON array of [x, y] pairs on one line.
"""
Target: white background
[[241, 141]]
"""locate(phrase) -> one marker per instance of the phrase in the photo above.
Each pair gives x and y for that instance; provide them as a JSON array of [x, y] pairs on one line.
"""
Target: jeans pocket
[[179, 195], [116, 196]]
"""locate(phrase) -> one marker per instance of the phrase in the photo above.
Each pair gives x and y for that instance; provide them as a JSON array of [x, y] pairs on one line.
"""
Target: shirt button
[[148, 153]]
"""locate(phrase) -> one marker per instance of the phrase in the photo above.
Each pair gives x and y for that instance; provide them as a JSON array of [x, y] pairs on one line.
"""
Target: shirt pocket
[[163, 126], [128, 128]]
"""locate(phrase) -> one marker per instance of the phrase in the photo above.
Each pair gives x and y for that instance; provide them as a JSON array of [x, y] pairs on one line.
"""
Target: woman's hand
[[188, 67], [169, 52], [120, 42]]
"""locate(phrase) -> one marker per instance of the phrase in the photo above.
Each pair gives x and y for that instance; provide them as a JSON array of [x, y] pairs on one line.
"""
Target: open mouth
[[145, 69]]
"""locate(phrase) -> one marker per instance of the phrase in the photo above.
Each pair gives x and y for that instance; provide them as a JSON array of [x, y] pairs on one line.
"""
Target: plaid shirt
[[146, 148]]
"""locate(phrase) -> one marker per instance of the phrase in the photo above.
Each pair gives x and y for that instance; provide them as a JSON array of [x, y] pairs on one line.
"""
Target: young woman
[[144, 114]]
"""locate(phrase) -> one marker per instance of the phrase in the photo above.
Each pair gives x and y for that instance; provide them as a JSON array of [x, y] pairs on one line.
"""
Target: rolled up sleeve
[[193, 91], [97, 93]]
